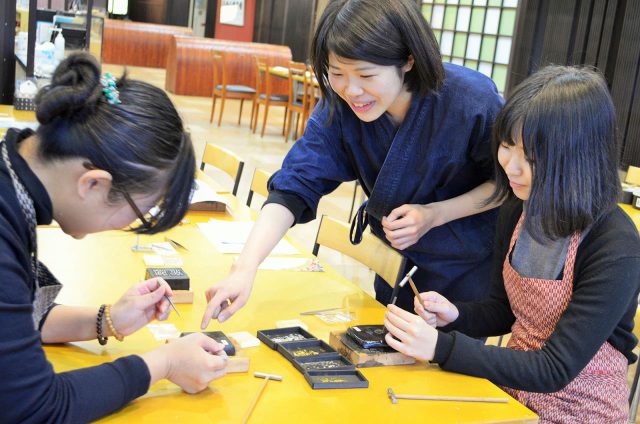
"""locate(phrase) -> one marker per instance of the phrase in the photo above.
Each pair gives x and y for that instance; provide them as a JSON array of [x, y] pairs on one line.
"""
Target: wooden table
[[9, 117], [282, 72], [99, 268]]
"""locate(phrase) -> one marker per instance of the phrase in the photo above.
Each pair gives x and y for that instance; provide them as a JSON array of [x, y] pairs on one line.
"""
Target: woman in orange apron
[[567, 262]]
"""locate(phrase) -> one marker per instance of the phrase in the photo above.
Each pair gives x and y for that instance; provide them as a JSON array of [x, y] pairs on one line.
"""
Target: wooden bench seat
[[138, 43], [190, 64]]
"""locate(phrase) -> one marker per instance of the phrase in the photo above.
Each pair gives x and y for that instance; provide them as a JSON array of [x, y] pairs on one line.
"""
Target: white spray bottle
[[60, 45]]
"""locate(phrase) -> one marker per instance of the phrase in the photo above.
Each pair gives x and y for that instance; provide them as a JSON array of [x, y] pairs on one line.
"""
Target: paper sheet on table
[[230, 237], [204, 195], [291, 264]]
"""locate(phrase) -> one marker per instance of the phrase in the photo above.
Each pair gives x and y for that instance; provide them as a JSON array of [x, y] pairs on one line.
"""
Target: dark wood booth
[[190, 64], [138, 43]]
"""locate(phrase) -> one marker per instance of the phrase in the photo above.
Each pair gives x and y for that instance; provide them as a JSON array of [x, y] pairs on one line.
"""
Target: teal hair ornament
[[109, 89]]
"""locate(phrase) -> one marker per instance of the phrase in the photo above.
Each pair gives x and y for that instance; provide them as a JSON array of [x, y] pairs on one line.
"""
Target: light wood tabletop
[[99, 268]]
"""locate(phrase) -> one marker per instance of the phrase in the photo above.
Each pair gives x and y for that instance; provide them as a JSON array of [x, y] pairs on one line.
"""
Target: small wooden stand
[[182, 296], [363, 358]]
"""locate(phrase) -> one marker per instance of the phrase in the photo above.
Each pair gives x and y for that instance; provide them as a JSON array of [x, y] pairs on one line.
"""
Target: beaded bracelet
[[101, 339], [119, 337]]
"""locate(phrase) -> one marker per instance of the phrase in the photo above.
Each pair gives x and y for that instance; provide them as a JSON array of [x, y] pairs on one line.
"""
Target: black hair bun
[[74, 91]]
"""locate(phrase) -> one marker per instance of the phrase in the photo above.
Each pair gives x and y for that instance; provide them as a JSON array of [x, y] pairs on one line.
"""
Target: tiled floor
[[266, 153]]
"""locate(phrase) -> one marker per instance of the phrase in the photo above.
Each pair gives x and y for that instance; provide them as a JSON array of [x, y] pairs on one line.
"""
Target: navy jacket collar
[[41, 199]]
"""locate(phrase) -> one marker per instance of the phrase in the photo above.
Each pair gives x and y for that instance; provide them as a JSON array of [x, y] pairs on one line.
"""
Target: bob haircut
[[141, 142], [383, 32], [566, 120]]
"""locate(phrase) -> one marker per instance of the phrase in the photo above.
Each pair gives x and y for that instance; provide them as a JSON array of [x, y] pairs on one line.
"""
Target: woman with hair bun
[[106, 152]]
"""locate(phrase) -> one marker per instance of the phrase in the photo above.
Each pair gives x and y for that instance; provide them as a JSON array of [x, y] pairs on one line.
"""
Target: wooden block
[[182, 296], [237, 364], [363, 358], [208, 206]]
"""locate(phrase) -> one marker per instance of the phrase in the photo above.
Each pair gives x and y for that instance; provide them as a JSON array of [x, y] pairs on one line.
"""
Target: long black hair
[[383, 32], [566, 120], [141, 142]]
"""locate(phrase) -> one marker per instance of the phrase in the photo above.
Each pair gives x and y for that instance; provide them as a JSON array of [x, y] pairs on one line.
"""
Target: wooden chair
[[265, 96], [298, 97], [225, 160], [371, 252], [258, 184], [224, 90], [314, 97]]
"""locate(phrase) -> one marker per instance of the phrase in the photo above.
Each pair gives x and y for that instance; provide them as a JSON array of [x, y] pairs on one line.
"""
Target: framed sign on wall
[[232, 12]]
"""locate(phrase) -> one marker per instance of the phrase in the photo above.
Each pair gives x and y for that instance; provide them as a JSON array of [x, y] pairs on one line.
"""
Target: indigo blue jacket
[[440, 151]]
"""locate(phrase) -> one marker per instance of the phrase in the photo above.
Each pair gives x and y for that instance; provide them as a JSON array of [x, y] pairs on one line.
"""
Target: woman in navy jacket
[[413, 132]]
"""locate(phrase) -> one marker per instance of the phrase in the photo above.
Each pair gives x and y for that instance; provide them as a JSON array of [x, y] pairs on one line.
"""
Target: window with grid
[[474, 33]]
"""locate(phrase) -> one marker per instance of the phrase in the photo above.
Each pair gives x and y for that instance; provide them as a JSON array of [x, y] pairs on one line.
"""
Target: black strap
[[359, 223]]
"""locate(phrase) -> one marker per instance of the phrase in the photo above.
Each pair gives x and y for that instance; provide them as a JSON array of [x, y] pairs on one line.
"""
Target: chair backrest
[[315, 93], [263, 78], [313, 90], [298, 79], [219, 76], [259, 184], [372, 252], [261, 69], [225, 160]]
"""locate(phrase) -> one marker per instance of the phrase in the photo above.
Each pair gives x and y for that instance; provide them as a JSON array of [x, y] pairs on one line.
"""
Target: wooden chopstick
[[453, 398], [414, 288], [255, 401]]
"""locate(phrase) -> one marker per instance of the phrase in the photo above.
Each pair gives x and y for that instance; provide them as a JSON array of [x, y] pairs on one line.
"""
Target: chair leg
[[254, 117], [221, 110], [213, 108], [305, 118], [240, 115], [287, 125], [295, 134], [253, 108], [286, 109], [264, 120]]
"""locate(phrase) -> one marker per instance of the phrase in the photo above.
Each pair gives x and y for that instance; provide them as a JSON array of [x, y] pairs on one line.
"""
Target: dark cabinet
[[166, 12], [286, 22]]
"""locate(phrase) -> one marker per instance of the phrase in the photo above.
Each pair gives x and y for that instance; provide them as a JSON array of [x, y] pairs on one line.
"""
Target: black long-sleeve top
[[30, 391], [604, 302]]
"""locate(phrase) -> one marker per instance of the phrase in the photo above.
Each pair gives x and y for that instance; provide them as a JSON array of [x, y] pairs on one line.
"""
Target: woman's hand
[[406, 224], [191, 362], [225, 298], [141, 304], [435, 309], [409, 334]]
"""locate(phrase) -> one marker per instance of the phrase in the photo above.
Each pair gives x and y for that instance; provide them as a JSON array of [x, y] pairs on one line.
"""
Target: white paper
[[159, 260], [230, 237], [337, 317], [203, 193], [279, 264]]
